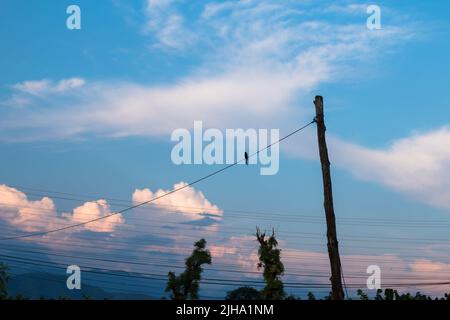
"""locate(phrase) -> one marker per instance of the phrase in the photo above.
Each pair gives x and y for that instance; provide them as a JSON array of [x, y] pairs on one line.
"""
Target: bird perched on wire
[[246, 157]]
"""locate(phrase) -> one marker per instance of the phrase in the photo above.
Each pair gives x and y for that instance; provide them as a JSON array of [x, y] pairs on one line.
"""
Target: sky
[[86, 118]]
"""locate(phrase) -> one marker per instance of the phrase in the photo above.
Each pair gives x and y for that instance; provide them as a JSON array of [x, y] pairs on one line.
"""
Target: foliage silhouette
[[186, 285], [270, 262], [4, 278], [243, 293]]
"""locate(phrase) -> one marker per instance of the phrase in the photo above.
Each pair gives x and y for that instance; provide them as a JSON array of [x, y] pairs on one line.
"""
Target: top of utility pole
[[318, 102]]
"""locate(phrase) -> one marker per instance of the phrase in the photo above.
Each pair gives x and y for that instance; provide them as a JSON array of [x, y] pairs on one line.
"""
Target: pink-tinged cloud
[[417, 165], [27, 215], [41, 215], [303, 266], [424, 265], [95, 210], [187, 202]]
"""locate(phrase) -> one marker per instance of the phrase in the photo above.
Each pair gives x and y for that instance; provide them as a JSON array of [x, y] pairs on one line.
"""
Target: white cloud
[[418, 166], [354, 8], [95, 210], [186, 205], [167, 25], [175, 223], [258, 70], [41, 215], [16, 100], [214, 8], [45, 86], [256, 60], [188, 202], [33, 87], [173, 35], [69, 84], [28, 215]]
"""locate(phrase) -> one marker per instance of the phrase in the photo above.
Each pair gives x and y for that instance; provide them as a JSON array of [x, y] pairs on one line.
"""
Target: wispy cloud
[[31, 92], [257, 59], [46, 86], [167, 25]]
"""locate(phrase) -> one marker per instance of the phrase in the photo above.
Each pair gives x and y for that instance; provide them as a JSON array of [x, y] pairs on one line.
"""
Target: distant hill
[[50, 286]]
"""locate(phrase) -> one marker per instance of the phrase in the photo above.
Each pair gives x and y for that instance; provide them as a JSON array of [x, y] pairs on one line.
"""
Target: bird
[[246, 157]]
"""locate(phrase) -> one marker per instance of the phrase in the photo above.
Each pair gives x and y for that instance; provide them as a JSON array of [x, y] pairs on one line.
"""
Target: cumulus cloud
[[237, 251], [188, 202], [27, 215], [41, 215], [188, 208], [95, 210]]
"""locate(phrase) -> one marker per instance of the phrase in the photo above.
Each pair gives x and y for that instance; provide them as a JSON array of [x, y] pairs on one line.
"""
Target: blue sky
[[90, 112]]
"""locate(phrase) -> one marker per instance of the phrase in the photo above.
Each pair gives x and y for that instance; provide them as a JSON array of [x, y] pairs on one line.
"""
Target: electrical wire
[[158, 197]]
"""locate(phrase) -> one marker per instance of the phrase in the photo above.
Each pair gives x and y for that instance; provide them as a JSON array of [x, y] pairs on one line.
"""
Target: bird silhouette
[[246, 157]]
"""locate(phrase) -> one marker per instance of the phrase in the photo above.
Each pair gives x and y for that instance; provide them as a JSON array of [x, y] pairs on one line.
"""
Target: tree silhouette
[[4, 278], [392, 294], [270, 261], [243, 293], [186, 285], [311, 296]]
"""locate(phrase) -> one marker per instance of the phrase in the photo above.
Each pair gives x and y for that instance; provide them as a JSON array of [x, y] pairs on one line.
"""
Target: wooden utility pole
[[333, 250]]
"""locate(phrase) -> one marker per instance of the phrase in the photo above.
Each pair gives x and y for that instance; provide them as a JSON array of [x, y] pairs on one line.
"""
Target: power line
[[177, 252], [192, 235], [278, 213], [161, 196], [92, 282], [114, 241], [214, 281], [149, 263], [286, 233], [32, 211]]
